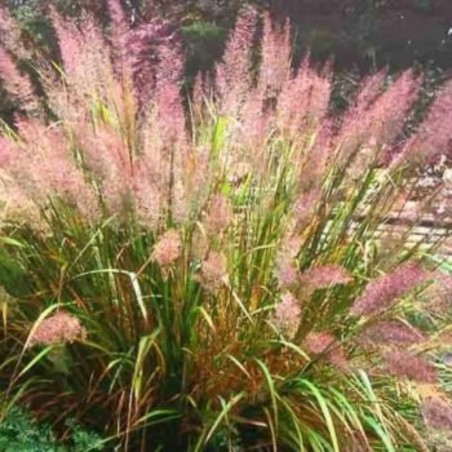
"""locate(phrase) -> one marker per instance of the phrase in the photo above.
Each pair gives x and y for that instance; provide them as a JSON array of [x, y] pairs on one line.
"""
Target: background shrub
[[18, 431]]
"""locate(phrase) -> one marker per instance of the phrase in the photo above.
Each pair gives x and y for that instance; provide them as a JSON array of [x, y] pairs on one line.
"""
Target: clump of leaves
[[213, 278], [19, 432]]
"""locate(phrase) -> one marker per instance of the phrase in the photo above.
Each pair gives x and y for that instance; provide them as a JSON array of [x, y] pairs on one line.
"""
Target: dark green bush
[[19, 432]]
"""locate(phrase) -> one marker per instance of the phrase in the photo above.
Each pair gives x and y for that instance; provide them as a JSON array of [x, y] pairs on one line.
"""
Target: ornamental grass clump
[[208, 275]]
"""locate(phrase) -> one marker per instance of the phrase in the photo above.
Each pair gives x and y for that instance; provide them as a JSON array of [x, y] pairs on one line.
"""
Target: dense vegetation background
[[360, 36], [366, 33]]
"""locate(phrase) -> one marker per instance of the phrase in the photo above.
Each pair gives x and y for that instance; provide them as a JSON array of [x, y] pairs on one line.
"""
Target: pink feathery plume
[[287, 315], [276, 55], [437, 413], [305, 207], [11, 35], [324, 343], [18, 85], [304, 100], [233, 74], [70, 41], [376, 118], [392, 332], [434, 137], [149, 47], [404, 364], [325, 276], [213, 271], [385, 290], [45, 168], [313, 170], [168, 249], [219, 215], [253, 121], [287, 273]]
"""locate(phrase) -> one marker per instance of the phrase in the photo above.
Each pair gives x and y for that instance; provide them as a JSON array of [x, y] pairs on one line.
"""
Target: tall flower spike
[[390, 110], [369, 89], [149, 47], [213, 270], [434, 137], [121, 27], [325, 343], [219, 214], [11, 35], [385, 290], [18, 85], [294, 99], [286, 264], [325, 276], [287, 315], [391, 332], [287, 273], [305, 207], [169, 103], [404, 364], [374, 122], [44, 169], [106, 154], [233, 73], [276, 53], [312, 172], [253, 123], [148, 199], [70, 44], [437, 413], [319, 98]]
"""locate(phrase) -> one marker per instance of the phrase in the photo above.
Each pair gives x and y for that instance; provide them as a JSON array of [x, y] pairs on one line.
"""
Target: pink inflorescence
[[377, 114], [287, 314], [18, 85], [213, 270], [437, 413], [62, 327], [392, 332], [306, 206], [325, 276], [304, 99], [233, 73], [287, 274], [276, 55], [168, 248], [325, 343], [11, 34], [405, 364], [385, 290], [147, 48], [219, 215], [434, 134]]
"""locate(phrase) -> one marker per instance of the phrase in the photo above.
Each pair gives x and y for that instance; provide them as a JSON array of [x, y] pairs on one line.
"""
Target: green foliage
[[204, 43], [82, 440], [20, 432], [35, 26]]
